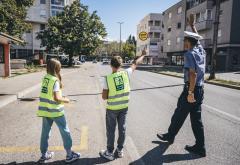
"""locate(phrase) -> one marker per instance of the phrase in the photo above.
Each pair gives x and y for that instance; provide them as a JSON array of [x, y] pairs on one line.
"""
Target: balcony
[[154, 28], [203, 25], [155, 40], [206, 43], [206, 4]]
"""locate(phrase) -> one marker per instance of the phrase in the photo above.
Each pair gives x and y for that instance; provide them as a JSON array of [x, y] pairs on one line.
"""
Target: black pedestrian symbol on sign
[[45, 85], [119, 83]]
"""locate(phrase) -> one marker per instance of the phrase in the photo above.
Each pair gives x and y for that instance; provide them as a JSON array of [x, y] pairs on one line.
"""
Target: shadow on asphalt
[[99, 93], [166, 86], [153, 157], [133, 90], [85, 161], [156, 156]]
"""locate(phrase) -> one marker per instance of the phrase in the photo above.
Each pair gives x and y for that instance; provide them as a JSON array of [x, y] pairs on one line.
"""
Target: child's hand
[[191, 20], [144, 53], [66, 100]]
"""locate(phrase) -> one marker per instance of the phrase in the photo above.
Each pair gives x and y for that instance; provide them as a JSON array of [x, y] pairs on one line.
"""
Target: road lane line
[[223, 113], [84, 138], [83, 145], [132, 151]]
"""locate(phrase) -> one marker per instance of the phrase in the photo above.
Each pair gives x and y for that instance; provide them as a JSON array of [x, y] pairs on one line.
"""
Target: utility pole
[[120, 46], [215, 38]]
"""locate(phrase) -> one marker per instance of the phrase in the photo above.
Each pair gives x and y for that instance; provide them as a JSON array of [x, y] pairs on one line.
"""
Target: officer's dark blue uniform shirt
[[195, 59]]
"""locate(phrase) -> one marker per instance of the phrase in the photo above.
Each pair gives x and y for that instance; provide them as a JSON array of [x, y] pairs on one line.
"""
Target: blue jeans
[[63, 128]]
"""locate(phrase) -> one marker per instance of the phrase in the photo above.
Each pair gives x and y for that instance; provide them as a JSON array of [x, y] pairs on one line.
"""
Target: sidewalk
[[16, 87]]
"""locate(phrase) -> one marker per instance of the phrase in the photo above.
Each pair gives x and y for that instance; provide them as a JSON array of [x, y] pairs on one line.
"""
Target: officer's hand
[[191, 98]]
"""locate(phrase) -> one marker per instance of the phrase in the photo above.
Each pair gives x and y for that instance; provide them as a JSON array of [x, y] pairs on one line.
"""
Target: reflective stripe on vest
[[48, 107], [119, 90]]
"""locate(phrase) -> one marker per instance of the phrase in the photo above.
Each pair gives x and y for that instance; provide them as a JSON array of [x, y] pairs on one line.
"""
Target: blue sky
[[128, 11]]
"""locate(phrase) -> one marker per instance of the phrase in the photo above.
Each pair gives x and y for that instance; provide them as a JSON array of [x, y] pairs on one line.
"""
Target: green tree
[[12, 16], [74, 31], [129, 48]]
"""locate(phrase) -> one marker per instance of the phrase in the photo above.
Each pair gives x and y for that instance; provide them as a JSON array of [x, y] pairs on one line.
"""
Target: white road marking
[[223, 113], [132, 151]]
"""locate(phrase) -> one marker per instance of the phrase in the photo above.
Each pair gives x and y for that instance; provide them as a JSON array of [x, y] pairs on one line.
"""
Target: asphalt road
[[153, 100]]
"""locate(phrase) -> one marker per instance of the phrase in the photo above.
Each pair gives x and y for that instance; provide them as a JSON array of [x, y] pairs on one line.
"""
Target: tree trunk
[[70, 60]]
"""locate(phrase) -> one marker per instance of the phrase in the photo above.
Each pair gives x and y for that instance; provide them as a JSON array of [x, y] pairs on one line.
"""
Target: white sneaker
[[119, 153], [106, 154], [73, 157], [48, 155]]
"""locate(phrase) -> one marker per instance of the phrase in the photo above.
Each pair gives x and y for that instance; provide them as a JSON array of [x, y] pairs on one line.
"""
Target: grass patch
[[227, 82], [28, 69]]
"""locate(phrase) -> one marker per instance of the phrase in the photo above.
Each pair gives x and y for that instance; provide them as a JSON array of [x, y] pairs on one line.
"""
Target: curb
[[207, 82], [8, 100]]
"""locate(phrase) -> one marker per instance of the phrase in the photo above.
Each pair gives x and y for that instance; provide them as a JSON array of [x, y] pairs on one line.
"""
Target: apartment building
[[174, 20], [37, 15], [152, 25], [228, 49], [173, 33]]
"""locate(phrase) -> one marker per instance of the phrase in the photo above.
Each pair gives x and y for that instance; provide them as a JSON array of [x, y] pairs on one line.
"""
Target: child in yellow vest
[[116, 91], [51, 109]]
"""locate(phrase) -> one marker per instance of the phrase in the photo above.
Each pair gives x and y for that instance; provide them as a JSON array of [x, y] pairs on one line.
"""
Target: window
[[198, 17], [156, 35], [221, 12], [42, 1], [168, 42], [150, 34], [162, 25], [209, 14], [162, 37], [1, 54], [179, 25], [219, 33], [42, 27], [178, 40], [150, 23], [169, 28], [179, 11], [157, 23], [153, 43], [169, 15], [161, 48], [57, 2], [235, 59], [43, 13]]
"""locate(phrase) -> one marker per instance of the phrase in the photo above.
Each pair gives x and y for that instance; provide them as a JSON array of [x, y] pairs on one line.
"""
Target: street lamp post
[[120, 47]]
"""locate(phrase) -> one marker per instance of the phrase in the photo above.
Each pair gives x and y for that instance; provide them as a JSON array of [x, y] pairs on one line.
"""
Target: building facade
[[228, 51], [173, 33], [38, 16], [152, 25]]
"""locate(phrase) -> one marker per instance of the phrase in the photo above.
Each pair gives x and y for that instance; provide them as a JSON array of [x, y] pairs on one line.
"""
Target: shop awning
[[5, 39]]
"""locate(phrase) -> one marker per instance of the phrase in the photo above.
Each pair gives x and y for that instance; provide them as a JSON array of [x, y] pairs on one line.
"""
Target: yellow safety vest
[[48, 107], [119, 90]]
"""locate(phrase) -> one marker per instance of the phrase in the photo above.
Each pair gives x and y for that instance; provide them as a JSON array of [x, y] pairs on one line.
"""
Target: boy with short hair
[[116, 91]]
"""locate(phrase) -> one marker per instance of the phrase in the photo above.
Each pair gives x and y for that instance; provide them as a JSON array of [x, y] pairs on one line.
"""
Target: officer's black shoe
[[165, 138], [196, 150]]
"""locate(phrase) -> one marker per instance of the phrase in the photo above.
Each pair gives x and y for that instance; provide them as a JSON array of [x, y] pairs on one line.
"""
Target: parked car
[[94, 61], [105, 61]]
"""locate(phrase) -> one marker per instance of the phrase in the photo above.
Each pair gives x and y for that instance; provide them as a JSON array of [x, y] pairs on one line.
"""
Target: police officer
[[191, 98]]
